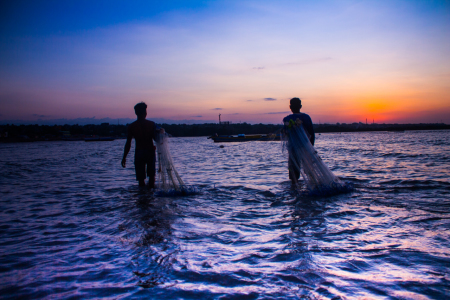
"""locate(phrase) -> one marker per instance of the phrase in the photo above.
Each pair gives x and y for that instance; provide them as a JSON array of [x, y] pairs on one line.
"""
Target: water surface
[[74, 224]]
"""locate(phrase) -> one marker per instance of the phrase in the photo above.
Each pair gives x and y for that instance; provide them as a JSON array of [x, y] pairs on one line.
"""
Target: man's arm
[[127, 149], [312, 136]]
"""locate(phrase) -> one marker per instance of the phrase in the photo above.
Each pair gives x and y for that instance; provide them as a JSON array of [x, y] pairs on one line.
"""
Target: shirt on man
[[307, 124], [144, 132]]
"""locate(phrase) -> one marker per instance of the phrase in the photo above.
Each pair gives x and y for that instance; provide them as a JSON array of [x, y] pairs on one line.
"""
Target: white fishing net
[[319, 179], [168, 182]]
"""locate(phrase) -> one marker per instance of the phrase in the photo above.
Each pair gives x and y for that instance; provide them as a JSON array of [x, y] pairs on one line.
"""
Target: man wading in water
[[144, 132], [295, 106]]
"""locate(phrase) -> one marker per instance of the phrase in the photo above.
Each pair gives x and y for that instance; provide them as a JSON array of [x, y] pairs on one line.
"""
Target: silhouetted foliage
[[12, 133]]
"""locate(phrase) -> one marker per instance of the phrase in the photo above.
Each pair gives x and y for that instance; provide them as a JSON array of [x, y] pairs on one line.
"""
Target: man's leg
[[151, 182], [139, 167], [294, 172], [151, 171]]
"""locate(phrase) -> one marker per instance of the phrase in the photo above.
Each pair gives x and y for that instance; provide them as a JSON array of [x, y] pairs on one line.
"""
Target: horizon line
[[85, 121]]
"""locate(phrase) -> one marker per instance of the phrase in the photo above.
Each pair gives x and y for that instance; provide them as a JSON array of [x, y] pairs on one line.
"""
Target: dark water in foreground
[[73, 223]]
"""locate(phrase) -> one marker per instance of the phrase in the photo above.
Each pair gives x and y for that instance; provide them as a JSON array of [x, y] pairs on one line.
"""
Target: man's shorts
[[142, 159]]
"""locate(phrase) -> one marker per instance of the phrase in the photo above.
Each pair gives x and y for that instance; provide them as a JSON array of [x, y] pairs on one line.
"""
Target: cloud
[[249, 100], [277, 113], [259, 68], [198, 116], [270, 99], [40, 116], [217, 108]]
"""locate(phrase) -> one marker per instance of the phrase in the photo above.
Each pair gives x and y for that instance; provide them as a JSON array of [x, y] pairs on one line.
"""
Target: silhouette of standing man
[[144, 132], [295, 106]]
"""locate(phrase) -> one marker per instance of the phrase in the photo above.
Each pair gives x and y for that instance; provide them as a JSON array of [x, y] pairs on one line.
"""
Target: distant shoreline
[[355, 127], [32, 133]]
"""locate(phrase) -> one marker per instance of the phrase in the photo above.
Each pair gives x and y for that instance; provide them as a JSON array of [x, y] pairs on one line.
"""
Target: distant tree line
[[57, 132], [177, 130], [354, 127], [71, 132]]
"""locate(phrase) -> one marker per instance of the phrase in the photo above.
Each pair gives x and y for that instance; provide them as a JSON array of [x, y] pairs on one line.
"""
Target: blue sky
[[191, 60]]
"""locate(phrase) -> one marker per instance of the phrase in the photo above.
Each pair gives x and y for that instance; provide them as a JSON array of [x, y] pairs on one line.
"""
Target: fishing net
[[319, 179], [168, 181]]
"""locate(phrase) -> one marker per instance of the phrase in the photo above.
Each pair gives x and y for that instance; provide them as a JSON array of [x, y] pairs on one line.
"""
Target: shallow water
[[74, 224]]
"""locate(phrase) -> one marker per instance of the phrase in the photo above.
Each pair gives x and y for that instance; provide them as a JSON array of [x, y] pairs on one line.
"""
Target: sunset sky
[[387, 61]]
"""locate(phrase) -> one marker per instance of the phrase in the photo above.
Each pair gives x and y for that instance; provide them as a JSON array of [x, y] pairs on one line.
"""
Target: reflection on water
[[73, 223], [147, 231]]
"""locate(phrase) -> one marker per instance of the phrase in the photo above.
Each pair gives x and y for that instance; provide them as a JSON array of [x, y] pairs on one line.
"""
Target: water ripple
[[74, 224]]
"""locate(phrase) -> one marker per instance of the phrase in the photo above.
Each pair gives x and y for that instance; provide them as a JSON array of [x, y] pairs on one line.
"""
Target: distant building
[[223, 122]]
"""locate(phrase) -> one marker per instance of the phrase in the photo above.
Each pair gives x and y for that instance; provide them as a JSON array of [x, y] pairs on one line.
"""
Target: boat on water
[[99, 139], [244, 138]]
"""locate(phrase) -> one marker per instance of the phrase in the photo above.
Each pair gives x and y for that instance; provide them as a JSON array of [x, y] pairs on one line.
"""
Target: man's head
[[140, 109], [296, 104]]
